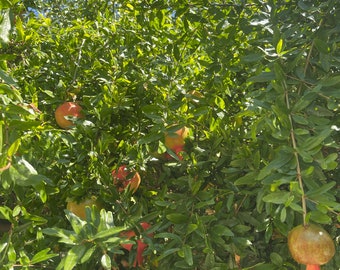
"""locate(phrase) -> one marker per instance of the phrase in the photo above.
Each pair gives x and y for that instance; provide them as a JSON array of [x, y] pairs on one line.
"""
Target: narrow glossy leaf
[[296, 207], [209, 261], [323, 189], [191, 228], [14, 147], [177, 218], [11, 253], [279, 46], [268, 233], [252, 58], [188, 254], [88, 253], [283, 214], [222, 230], [305, 155], [276, 258], [176, 52], [168, 236], [248, 179], [106, 261], [220, 102], [278, 197], [321, 45], [263, 77], [19, 28], [330, 81], [5, 25], [300, 119], [42, 255], [109, 232], [73, 256], [315, 141], [279, 161], [320, 217], [167, 252], [303, 102], [149, 138], [65, 236], [329, 162]]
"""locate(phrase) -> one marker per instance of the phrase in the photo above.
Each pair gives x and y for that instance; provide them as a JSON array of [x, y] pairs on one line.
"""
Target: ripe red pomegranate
[[123, 178], [141, 246], [310, 245], [70, 109]]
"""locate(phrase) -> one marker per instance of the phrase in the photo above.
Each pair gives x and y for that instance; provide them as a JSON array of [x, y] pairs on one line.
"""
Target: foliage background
[[264, 70]]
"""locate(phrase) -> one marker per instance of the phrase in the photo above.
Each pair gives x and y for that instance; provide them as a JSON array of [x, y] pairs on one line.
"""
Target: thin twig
[[6, 167], [298, 167], [308, 58]]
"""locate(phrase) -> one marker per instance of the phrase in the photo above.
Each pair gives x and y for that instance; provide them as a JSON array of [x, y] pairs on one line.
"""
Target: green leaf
[[73, 256], [315, 141], [320, 217], [88, 253], [176, 52], [106, 261], [248, 179], [328, 163], [167, 252], [280, 160], [177, 218], [188, 255], [278, 197], [6, 89], [330, 81], [268, 233], [276, 258], [168, 236], [279, 46], [283, 214], [11, 254], [255, 57], [20, 29], [13, 149], [151, 137], [109, 232], [67, 237], [323, 189], [5, 25], [220, 102], [222, 230], [321, 45], [42, 256], [4, 4], [263, 77], [303, 102]]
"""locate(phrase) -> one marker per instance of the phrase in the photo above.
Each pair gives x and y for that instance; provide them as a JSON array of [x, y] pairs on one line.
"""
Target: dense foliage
[[256, 82]]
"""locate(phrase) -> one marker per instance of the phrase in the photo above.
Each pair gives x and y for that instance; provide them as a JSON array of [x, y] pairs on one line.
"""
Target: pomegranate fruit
[[78, 208], [70, 109], [141, 246], [176, 141], [123, 178], [312, 267], [177, 138], [310, 245]]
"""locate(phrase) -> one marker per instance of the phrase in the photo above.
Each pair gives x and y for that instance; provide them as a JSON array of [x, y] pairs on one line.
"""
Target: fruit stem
[[298, 168]]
